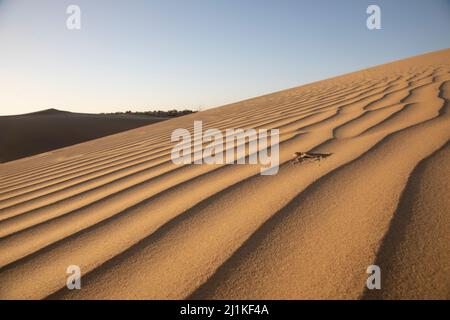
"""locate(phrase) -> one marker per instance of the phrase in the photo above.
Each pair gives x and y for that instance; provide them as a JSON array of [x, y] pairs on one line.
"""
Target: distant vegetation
[[163, 114]]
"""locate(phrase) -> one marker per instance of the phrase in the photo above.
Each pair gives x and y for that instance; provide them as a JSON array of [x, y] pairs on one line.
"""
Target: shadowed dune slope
[[30, 134], [142, 227]]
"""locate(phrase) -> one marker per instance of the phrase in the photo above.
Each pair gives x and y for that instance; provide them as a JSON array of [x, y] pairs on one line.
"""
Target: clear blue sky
[[144, 54]]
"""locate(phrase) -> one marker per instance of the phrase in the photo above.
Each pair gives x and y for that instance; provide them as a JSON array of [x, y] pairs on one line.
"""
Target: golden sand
[[141, 227]]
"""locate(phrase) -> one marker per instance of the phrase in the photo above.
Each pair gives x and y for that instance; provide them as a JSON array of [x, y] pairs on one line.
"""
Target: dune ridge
[[141, 227]]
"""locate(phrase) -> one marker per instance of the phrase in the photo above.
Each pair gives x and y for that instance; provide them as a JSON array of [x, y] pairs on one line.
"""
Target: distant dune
[[29, 134], [142, 227]]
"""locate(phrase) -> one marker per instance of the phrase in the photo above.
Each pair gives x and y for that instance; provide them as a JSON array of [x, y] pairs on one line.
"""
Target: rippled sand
[[142, 227]]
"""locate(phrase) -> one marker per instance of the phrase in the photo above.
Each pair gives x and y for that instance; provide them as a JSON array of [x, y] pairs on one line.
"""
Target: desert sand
[[34, 133], [141, 227]]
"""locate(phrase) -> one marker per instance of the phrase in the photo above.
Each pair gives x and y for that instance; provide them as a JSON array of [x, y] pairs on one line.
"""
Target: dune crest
[[141, 227]]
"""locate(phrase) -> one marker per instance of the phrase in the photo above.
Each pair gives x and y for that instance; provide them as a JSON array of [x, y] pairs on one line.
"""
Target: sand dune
[[142, 227], [33, 133]]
